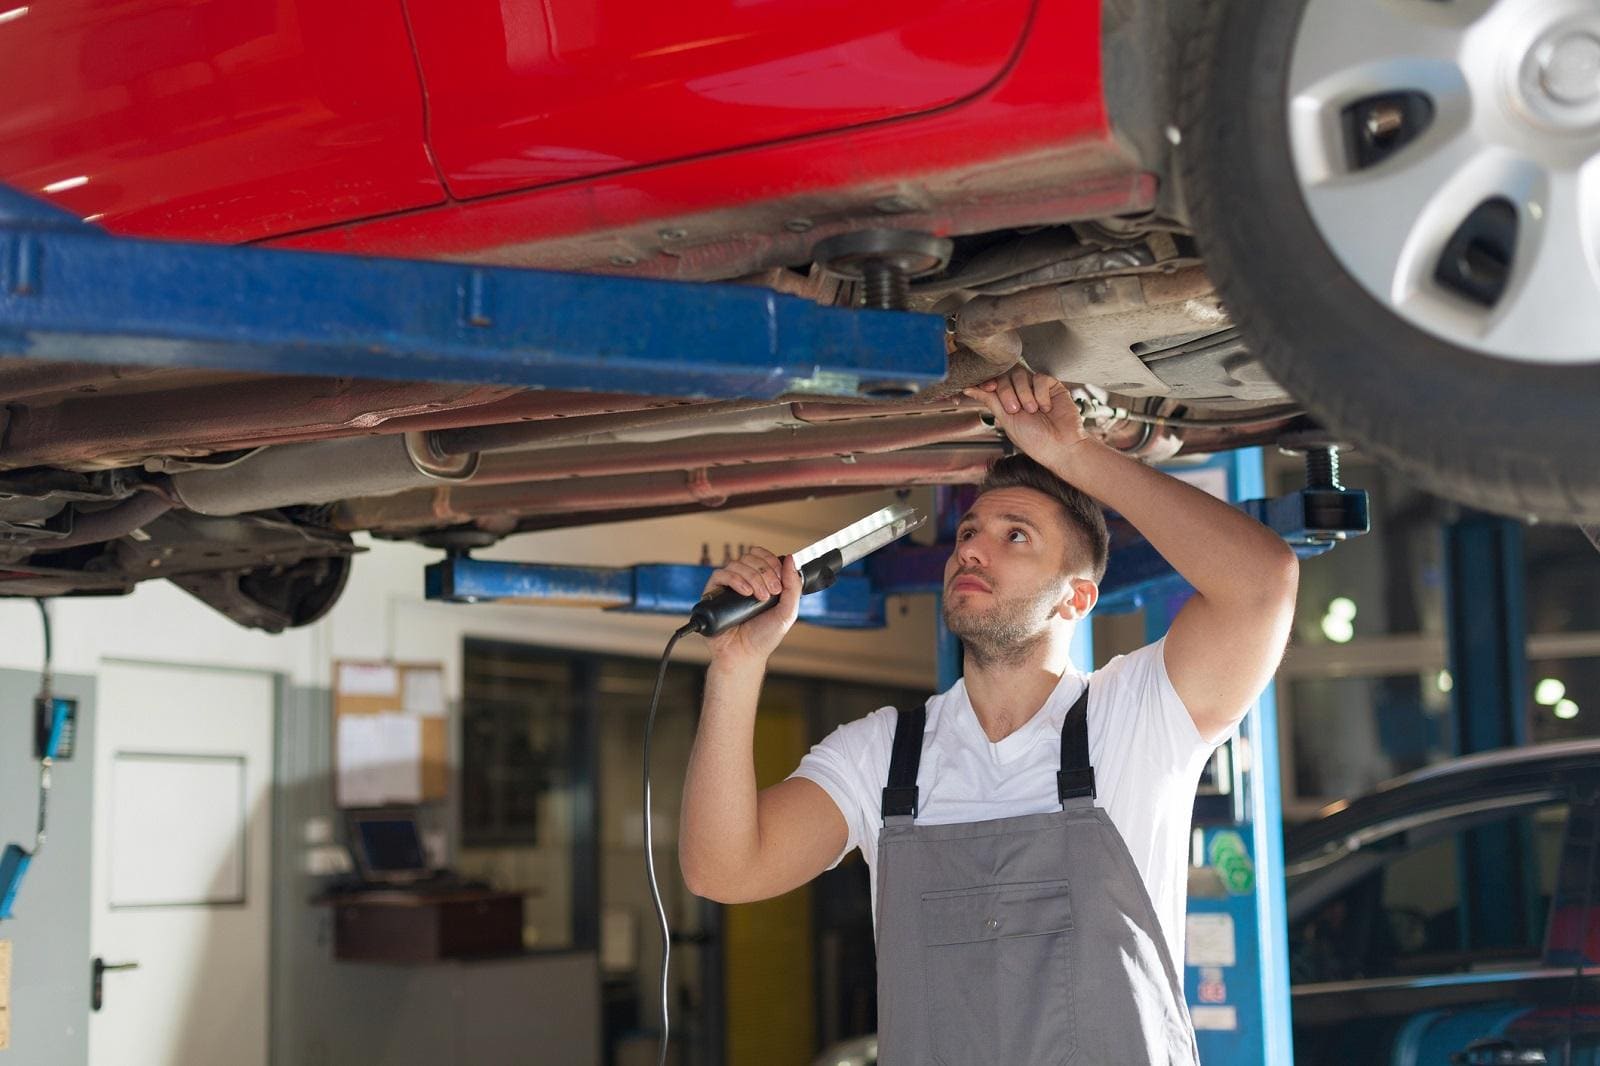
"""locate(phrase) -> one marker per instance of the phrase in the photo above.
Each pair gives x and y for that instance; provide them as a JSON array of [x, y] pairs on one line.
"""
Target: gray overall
[[1027, 941]]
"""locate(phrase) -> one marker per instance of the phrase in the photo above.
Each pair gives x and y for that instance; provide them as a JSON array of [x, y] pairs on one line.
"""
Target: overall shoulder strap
[[900, 796], [1076, 778]]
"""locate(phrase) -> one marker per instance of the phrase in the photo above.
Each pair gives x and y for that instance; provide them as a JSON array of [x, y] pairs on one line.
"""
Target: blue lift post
[[1236, 971], [1487, 634]]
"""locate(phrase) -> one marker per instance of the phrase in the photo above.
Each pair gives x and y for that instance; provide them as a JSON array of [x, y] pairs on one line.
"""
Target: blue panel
[[1224, 990], [60, 711], [908, 569], [72, 293], [1137, 575]]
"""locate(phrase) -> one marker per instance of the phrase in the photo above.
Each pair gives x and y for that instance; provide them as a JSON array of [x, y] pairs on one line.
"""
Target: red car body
[[612, 134]]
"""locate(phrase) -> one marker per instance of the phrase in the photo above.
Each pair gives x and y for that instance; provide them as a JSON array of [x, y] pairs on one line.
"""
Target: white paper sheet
[[368, 679], [402, 765], [424, 693], [380, 759], [360, 750]]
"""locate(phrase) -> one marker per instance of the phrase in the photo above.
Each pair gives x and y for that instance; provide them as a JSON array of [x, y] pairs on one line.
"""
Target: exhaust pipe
[[321, 472]]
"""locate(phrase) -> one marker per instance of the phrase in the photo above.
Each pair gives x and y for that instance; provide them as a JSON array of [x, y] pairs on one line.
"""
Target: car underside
[[244, 489], [1119, 195]]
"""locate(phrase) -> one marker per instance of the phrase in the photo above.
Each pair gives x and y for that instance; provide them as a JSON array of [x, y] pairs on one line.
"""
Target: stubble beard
[[1006, 632]]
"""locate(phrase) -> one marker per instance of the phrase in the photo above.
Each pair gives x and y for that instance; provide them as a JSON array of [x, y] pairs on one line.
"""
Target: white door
[[181, 877]]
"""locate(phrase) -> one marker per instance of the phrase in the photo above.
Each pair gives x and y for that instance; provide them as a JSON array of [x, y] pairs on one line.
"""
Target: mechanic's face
[[1014, 571]]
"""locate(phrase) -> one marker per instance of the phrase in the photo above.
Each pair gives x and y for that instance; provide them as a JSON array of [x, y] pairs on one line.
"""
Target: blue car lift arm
[[69, 291], [1137, 572], [652, 588]]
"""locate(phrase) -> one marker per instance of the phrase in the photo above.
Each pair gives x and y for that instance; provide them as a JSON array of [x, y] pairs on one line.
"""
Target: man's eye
[[1018, 536], [963, 534]]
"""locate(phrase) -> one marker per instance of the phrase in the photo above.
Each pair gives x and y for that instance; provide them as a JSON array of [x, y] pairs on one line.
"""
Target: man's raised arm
[[1227, 640], [736, 844]]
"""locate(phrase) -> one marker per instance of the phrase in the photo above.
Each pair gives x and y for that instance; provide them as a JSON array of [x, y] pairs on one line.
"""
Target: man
[[1026, 831]]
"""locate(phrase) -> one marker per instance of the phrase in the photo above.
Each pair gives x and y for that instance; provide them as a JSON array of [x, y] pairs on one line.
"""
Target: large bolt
[[885, 286], [1322, 468], [883, 262]]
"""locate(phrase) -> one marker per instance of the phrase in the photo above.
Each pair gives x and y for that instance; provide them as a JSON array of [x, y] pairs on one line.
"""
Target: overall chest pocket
[[997, 964]]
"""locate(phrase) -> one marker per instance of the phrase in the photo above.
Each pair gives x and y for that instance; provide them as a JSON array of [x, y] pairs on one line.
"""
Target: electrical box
[[44, 711]]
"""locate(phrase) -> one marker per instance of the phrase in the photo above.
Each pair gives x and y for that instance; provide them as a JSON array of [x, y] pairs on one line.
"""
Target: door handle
[[97, 985]]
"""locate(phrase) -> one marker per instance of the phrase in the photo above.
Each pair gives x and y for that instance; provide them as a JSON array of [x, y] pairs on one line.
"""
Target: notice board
[[390, 733]]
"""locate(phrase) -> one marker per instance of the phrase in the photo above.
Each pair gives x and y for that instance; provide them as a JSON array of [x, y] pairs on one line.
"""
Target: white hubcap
[[1449, 152]]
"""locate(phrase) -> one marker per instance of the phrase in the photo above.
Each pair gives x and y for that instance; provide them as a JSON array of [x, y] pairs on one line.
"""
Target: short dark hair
[[1082, 513]]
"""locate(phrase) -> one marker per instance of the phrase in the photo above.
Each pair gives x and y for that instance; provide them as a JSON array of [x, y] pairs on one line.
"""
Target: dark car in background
[[1452, 915]]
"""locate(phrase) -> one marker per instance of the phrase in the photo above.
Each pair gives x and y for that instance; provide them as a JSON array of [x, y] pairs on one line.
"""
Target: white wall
[[383, 614]]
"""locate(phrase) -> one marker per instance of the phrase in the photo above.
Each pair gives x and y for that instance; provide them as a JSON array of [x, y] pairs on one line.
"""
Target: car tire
[[1504, 434]]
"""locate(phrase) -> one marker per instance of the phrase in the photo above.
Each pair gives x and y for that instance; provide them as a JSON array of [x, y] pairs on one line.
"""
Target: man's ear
[[1081, 596], [1090, 592]]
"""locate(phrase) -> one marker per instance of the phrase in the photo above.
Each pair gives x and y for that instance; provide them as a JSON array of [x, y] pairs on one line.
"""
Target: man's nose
[[968, 553]]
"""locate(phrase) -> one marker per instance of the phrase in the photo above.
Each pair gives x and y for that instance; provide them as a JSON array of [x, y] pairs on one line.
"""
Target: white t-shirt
[[1145, 749]]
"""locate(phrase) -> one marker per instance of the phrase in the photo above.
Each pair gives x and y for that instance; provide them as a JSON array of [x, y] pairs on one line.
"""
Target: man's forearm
[[719, 833], [1224, 553]]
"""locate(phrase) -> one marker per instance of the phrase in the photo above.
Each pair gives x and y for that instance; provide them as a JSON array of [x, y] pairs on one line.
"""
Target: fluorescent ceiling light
[[1549, 692]]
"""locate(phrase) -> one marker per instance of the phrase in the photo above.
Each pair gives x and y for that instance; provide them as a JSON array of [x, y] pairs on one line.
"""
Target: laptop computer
[[388, 848]]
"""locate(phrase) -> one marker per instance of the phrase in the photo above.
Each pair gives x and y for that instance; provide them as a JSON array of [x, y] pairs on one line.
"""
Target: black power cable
[[649, 838], [717, 611], [44, 616], [46, 701], [720, 610]]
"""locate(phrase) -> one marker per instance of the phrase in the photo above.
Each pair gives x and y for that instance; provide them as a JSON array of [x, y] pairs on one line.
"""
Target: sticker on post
[[1212, 987], [1215, 1019], [1209, 940], [1231, 858]]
